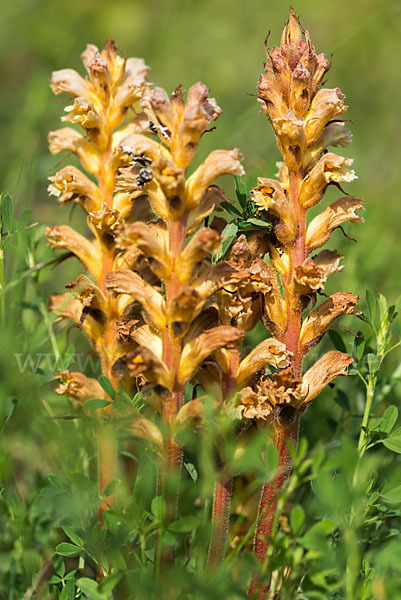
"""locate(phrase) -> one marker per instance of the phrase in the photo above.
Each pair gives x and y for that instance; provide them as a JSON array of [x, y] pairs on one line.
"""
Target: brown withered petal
[[279, 258], [200, 111], [140, 144], [269, 352], [152, 241], [70, 139], [328, 261], [211, 199], [221, 275], [283, 175], [291, 139], [219, 162], [157, 106], [76, 385], [270, 196], [127, 282], [83, 112], [146, 430], [327, 368], [326, 105], [202, 244], [319, 320], [65, 306], [197, 350], [191, 414], [147, 338], [330, 168], [321, 227], [139, 124], [312, 274], [68, 81], [65, 237], [105, 221], [143, 362], [334, 134], [71, 184], [88, 293], [275, 317]]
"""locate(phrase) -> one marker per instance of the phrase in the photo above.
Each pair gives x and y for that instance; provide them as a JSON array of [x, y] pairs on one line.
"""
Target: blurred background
[[219, 42]]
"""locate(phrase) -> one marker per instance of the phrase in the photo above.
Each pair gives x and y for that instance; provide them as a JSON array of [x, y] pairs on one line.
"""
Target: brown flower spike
[[305, 119]]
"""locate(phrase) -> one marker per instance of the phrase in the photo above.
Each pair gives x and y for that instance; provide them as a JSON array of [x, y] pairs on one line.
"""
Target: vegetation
[[132, 462]]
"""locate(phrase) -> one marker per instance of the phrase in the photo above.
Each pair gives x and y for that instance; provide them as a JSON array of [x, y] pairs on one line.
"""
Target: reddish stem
[[268, 502], [223, 486]]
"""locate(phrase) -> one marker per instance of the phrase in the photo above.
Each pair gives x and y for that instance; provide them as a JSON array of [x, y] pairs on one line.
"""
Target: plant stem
[[363, 436], [268, 503], [223, 486]]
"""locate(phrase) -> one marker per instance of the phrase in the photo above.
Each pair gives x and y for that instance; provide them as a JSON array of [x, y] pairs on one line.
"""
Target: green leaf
[[107, 584], [7, 210], [337, 340], [107, 386], [393, 495], [96, 403], [184, 524], [193, 473], [67, 549], [228, 235], [316, 536], [111, 488], [158, 507], [231, 209], [9, 412], [297, 519], [241, 191], [24, 218], [259, 223], [393, 441], [389, 419], [74, 537], [371, 304], [91, 589]]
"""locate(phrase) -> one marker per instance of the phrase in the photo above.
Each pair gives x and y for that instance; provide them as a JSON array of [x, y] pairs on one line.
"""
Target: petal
[[77, 386], [142, 362], [147, 338], [330, 168], [147, 430], [319, 320], [71, 140], [321, 227], [219, 162], [269, 352], [71, 184], [201, 245], [197, 350], [200, 111], [330, 366], [210, 200], [326, 105], [128, 282], [65, 237], [152, 241], [68, 81], [270, 196]]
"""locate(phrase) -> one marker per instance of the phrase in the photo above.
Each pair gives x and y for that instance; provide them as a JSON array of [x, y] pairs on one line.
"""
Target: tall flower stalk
[[100, 106], [179, 329], [305, 120]]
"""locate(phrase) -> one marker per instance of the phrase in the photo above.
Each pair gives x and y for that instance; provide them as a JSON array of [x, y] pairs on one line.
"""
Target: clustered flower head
[[159, 307], [305, 119]]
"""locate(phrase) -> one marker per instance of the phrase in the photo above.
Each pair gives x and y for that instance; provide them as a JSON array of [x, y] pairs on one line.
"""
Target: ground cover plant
[[179, 471]]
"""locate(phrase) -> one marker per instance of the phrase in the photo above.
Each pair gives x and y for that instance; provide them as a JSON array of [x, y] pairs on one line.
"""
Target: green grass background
[[219, 42]]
